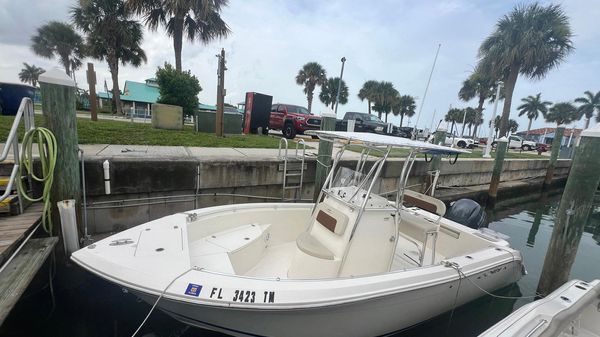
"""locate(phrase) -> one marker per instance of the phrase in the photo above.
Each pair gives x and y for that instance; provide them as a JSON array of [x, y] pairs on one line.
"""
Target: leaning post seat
[[320, 250], [424, 227]]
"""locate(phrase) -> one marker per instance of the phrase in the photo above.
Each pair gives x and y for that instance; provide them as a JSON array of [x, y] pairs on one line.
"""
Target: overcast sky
[[382, 40]]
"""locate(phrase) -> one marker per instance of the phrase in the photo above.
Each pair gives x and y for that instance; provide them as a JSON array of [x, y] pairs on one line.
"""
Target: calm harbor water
[[89, 306]]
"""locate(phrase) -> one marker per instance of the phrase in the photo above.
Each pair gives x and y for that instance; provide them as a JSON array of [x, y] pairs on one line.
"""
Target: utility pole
[[58, 102], [488, 145], [220, 94], [91, 78], [573, 212], [337, 98]]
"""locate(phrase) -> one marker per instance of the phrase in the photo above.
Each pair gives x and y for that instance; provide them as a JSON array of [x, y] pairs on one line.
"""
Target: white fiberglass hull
[[373, 317], [571, 310], [168, 257]]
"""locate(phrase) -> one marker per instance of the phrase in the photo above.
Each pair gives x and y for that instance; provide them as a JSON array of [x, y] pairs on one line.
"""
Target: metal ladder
[[292, 170], [25, 113]]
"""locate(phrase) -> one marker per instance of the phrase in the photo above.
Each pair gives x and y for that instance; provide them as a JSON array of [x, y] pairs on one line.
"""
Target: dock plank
[[13, 229], [15, 278]]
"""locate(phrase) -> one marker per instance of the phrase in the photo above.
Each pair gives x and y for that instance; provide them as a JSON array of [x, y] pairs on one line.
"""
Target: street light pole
[[488, 146], [337, 98]]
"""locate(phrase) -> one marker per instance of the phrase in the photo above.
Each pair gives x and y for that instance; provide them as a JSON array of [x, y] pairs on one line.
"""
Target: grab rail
[[25, 112]]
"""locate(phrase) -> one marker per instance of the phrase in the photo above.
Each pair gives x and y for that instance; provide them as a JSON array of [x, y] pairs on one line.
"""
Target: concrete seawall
[[139, 185]]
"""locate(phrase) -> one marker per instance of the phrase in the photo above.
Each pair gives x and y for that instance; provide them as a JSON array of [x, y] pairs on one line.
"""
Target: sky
[[382, 40]]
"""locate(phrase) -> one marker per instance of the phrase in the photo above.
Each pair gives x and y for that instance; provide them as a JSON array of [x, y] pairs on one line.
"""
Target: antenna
[[427, 88]]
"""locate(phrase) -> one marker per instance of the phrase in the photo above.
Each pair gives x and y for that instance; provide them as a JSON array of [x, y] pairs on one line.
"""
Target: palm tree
[[368, 92], [481, 86], [329, 92], [198, 19], [60, 40], [384, 98], [470, 119], [562, 113], [453, 116], [311, 75], [532, 107], [513, 126], [30, 74], [111, 35], [531, 40], [589, 103], [404, 105]]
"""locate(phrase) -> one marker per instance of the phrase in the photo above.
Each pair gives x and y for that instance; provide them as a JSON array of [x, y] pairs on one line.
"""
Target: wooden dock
[[13, 229], [16, 276]]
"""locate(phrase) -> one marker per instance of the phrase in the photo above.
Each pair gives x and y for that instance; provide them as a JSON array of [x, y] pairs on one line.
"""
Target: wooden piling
[[91, 78], [573, 211], [58, 102], [324, 156], [501, 148], [220, 96], [556, 142], [438, 138]]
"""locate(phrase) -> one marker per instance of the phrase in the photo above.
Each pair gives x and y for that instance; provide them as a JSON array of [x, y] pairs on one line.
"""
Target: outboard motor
[[467, 212]]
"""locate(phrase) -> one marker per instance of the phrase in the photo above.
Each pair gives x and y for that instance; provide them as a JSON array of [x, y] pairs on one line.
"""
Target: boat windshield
[[346, 177]]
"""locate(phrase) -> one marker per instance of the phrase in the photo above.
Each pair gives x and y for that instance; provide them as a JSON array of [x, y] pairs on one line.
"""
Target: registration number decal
[[243, 296]]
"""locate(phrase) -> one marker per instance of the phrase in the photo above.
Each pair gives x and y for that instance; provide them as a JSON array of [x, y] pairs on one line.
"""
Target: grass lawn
[[474, 153], [127, 133]]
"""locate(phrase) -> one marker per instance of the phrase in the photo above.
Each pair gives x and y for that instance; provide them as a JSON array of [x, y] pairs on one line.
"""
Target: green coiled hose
[[46, 143]]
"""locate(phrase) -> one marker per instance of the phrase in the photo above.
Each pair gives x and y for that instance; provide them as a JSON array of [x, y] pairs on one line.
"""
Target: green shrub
[[178, 88]]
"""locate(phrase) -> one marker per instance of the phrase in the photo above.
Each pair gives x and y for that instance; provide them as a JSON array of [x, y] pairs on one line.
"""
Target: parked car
[[292, 120], [365, 122], [516, 142], [462, 142], [541, 147]]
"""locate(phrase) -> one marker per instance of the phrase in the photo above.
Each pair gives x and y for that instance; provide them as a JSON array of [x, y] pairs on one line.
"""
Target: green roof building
[[138, 97]]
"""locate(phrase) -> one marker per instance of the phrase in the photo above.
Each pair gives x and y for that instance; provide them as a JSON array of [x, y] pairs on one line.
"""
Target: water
[[91, 307]]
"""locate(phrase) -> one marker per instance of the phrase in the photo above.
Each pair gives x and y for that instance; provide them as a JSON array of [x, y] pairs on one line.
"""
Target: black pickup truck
[[368, 123]]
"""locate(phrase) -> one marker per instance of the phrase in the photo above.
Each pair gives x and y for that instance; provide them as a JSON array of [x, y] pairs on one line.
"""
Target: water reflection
[[541, 205]]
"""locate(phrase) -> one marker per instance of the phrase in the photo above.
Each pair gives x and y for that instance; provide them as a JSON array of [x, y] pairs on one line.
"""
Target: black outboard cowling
[[467, 212]]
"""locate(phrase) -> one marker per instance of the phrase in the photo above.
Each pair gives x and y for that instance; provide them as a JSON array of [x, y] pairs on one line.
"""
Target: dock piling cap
[[591, 132], [56, 76]]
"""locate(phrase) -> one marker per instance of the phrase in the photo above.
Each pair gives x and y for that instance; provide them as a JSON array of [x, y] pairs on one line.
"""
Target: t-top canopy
[[381, 140]]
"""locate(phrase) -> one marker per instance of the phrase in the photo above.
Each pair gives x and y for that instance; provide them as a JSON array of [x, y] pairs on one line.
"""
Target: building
[[546, 135], [138, 97]]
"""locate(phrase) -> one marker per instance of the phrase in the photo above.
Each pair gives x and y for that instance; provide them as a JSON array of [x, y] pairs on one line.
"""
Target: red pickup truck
[[292, 120]]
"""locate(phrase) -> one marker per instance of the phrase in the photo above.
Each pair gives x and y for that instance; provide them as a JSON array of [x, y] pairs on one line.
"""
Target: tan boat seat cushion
[[425, 202]]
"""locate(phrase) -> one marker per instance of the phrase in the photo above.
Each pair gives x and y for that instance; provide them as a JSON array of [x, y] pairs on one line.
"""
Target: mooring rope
[[47, 151], [158, 299], [462, 275]]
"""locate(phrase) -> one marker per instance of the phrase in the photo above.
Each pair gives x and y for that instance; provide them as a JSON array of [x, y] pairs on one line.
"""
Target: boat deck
[[277, 259]]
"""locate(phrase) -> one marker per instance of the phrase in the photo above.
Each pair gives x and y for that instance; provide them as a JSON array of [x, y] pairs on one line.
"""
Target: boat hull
[[372, 317]]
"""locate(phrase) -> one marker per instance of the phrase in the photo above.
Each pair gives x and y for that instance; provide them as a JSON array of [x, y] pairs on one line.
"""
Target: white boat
[[571, 310], [353, 264]]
